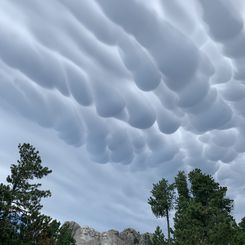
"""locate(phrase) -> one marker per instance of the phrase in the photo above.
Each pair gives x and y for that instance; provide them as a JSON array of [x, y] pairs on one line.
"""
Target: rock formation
[[88, 236]]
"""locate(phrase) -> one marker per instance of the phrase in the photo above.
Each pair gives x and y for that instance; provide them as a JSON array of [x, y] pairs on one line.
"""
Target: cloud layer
[[132, 88]]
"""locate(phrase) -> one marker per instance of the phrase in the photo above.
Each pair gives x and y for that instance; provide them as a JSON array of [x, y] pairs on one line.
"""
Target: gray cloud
[[126, 98]]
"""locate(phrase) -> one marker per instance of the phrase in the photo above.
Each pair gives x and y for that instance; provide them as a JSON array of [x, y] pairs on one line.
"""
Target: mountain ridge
[[89, 236]]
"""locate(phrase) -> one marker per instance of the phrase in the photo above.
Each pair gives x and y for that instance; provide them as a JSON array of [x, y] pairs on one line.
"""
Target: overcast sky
[[116, 94]]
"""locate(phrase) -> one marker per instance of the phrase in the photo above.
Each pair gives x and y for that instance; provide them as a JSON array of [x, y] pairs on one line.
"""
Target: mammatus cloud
[[136, 87]]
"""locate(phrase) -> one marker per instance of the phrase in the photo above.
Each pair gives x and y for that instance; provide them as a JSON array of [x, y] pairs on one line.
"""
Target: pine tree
[[23, 196], [182, 186], [162, 200], [181, 218], [21, 220], [158, 237], [205, 216]]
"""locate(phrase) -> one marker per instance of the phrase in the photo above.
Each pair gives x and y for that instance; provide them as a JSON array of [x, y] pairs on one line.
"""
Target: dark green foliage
[[182, 218], [242, 225], [240, 233], [158, 237], [161, 200], [65, 236], [207, 192], [21, 220], [162, 197], [182, 187], [202, 212]]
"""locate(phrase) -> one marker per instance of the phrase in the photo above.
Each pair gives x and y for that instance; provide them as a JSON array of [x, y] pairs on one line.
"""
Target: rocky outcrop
[[89, 236]]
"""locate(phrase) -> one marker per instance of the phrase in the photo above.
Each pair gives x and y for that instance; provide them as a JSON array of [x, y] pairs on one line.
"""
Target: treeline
[[202, 212], [21, 219]]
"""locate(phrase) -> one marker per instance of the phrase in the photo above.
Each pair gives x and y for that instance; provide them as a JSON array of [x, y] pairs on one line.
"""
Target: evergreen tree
[[158, 237], [21, 204], [204, 217], [21, 220], [162, 200], [181, 218], [182, 187]]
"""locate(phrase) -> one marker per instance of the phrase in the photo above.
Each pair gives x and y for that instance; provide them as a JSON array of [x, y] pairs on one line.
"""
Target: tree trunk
[[168, 226]]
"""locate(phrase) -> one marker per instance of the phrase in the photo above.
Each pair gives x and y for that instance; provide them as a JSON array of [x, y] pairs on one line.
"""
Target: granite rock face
[[89, 236]]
